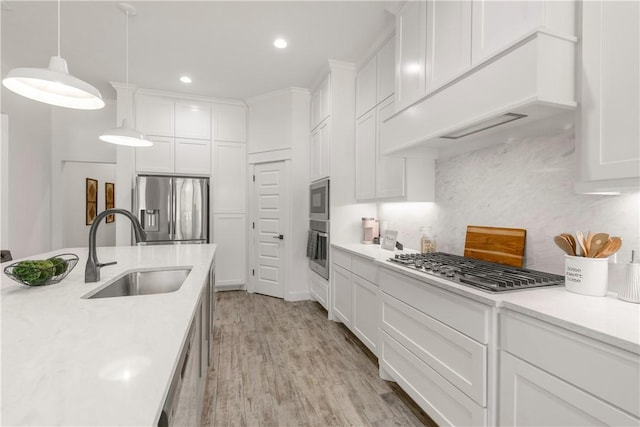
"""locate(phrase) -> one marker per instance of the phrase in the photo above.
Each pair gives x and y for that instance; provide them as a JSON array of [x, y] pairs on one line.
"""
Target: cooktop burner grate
[[479, 274]]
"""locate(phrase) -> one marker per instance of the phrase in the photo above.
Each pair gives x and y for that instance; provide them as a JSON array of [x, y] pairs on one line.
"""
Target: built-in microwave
[[319, 200]]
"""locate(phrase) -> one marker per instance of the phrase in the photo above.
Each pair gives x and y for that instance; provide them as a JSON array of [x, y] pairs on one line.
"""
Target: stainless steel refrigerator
[[173, 209]]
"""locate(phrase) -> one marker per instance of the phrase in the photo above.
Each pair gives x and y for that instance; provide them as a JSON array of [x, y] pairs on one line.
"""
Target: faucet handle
[[106, 263]]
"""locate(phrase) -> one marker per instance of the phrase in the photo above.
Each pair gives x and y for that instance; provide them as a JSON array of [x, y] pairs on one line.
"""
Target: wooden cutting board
[[495, 244]]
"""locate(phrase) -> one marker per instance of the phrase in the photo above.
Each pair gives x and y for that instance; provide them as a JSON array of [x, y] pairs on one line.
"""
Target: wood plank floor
[[280, 363]]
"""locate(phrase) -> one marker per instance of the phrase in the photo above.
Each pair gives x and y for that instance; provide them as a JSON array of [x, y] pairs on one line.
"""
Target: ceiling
[[226, 47]]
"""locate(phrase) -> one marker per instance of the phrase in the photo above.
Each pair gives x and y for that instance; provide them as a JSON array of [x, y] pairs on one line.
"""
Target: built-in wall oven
[[318, 240]]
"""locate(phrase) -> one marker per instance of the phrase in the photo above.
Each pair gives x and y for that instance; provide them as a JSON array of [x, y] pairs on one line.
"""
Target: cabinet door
[[448, 40], [386, 70], [230, 184], [366, 156], [193, 156], [390, 171], [341, 294], [187, 409], [325, 110], [319, 289], [366, 82], [316, 108], [319, 151], [610, 129], [229, 233], [410, 52], [531, 397], [157, 158], [193, 120], [230, 123], [496, 24], [366, 312], [155, 115]]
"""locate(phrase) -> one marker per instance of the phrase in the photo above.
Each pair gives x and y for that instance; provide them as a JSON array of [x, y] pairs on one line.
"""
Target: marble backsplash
[[526, 184]]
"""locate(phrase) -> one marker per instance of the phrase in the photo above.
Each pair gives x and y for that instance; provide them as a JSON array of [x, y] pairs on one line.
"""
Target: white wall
[[525, 184], [75, 138], [29, 175], [74, 229], [278, 125]]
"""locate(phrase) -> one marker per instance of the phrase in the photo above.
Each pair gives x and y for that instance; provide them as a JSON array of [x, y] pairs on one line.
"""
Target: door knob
[[279, 236]]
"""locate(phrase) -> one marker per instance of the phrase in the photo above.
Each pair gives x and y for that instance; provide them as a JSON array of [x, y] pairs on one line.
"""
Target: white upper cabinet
[[448, 40], [321, 102], [366, 135], [155, 115], [158, 158], [497, 24], [319, 151], [410, 52], [390, 171], [229, 123], [375, 81], [230, 169], [366, 88], [193, 120], [609, 130], [386, 70], [192, 156]]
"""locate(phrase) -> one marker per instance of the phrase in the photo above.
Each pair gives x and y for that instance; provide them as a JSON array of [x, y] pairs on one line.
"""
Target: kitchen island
[[67, 360]]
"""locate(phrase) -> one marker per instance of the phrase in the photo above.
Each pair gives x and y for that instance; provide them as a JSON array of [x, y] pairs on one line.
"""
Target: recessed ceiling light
[[280, 43], [185, 79]]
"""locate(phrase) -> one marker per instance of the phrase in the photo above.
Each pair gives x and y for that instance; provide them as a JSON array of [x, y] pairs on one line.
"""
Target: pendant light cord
[[58, 28], [129, 101]]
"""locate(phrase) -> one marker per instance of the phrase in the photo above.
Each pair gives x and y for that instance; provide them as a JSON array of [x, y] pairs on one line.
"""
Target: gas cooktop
[[487, 276]]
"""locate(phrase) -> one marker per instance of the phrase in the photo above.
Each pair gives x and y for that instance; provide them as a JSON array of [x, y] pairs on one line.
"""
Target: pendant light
[[54, 85], [125, 135]]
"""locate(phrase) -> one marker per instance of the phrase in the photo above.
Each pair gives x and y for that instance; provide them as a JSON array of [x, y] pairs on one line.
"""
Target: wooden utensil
[[571, 241], [611, 247], [564, 245], [580, 237], [597, 243], [587, 242]]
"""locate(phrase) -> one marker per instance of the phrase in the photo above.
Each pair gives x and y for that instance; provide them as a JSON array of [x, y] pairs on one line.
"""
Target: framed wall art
[[109, 199], [92, 200]]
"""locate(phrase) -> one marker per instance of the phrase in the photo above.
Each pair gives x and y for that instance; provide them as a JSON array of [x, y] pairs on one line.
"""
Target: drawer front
[[444, 403], [343, 259], [607, 372], [525, 390], [462, 314], [364, 268], [459, 359]]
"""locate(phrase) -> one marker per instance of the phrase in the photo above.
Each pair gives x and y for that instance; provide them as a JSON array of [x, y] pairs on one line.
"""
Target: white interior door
[[270, 207]]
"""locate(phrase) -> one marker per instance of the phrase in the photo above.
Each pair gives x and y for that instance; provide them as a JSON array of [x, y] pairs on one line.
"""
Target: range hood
[[526, 89]]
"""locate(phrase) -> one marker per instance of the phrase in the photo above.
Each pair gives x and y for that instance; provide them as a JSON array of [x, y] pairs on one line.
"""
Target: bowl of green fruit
[[41, 272]]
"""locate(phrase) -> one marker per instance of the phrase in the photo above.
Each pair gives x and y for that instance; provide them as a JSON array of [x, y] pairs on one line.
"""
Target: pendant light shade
[[54, 85], [125, 135]]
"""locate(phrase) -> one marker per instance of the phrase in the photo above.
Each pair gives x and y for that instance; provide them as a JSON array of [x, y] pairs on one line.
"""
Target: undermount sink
[[143, 282]]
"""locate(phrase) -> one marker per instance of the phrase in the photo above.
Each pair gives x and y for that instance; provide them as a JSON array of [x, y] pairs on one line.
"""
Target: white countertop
[[73, 361], [607, 319]]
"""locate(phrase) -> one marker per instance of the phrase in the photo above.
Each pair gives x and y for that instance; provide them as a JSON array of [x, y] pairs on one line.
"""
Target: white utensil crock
[[586, 276]]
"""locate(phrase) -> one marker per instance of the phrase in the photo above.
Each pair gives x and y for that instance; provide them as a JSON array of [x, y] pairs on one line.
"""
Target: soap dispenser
[[631, 288]]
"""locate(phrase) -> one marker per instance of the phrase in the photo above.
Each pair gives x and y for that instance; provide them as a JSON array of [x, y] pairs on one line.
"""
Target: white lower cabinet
[[355, 297], [577, 380], [229, 233], [319, 288], [435, 345], [366, 312], [342, 294]]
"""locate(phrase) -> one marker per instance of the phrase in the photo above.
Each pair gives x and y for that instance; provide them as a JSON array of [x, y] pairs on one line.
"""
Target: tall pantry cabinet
[[202, 137]]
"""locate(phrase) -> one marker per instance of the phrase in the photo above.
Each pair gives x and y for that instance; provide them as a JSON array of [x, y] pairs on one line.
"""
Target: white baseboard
[[298, 296], [223, 288]]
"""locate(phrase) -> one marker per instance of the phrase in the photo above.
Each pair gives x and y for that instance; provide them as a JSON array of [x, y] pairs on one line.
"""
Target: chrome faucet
[[92, 270]]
